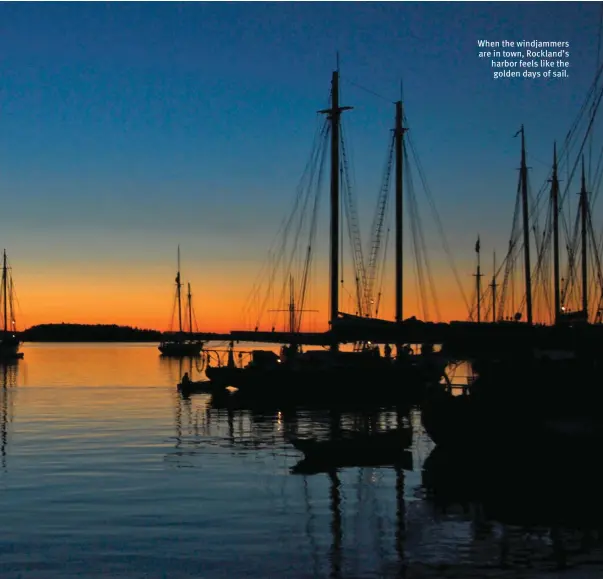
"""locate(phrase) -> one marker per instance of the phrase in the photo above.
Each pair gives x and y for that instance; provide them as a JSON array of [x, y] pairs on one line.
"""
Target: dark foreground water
[[106, 470]]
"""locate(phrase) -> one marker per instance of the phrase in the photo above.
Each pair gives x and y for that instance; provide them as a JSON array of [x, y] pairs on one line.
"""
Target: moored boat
[[9, 342], [180, 344], [334, 374], [331, 374]]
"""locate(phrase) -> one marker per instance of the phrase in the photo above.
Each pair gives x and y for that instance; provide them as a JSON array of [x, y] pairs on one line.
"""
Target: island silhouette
[[65, 332]]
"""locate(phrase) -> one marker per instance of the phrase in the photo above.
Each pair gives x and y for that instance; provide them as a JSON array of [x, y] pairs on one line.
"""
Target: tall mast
[[291, 306], [178, 286], [334, 115], [478, 282], [4, 292], [190, 309], [526, 226], [555, 202], [399, 138], [584, 217], [493, 286], [11, 304]]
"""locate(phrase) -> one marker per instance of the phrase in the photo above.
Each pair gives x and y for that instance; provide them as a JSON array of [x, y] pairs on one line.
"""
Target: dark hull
[[496, 421], [383, 379], [9, 349], [354, 449], [198, 387], [180, 349]]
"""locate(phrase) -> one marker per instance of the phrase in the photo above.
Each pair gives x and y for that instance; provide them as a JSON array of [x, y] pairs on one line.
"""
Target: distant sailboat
[[9, 343], [182, 345]]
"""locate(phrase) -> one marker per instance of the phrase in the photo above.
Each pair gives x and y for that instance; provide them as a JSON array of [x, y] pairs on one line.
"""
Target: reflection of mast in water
[[335, 502], [336, 527], [309, 532], [400, 520], [178, 421], [230, 421], [8, 372], [400, 505], [174, 365], [179, 401], [183, 405]]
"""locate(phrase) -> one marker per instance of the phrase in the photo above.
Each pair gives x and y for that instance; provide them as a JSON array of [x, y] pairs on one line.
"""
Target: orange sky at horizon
[[144, 298]]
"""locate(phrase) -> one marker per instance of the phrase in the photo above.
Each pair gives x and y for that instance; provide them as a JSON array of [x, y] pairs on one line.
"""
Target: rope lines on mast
[[578, 137], [381, 210], [360, 276], [286, 243], [438, 222]]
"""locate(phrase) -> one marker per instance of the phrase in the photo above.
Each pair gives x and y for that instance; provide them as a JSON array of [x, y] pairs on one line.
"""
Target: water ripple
[[106, 470]]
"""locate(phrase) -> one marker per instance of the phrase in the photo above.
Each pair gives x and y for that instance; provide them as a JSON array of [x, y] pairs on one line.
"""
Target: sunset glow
[[161, 127]]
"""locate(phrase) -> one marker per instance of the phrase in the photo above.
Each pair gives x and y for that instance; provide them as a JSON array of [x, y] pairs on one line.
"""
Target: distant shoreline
[[90, 333]]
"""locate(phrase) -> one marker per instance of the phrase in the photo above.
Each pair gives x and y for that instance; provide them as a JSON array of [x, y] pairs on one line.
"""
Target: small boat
[[9, 342], [353, 448], [180, 345], [188, 386]]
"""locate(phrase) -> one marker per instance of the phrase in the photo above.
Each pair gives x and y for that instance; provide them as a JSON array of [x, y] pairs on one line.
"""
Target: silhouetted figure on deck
[[387, 351], [231, 362], [403, 352], [289, 352]]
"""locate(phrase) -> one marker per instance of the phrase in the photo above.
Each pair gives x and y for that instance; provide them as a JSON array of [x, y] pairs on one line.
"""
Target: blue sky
[[126, 128]]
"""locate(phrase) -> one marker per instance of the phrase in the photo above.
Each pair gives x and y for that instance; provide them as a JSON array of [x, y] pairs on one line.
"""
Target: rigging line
[[423, 248], [571, 134], [580, 152], [571, 276], [596, 181], [542, 276], [595, 254], [313, 229], [383, 197], [302, 195], [380, 268], [438, 221], [508, 261], [539, 240], [295, 244], [416, 246], [368, 90], [590, 152], [286, 221], [353, 231], [172, 319], [383, 272]]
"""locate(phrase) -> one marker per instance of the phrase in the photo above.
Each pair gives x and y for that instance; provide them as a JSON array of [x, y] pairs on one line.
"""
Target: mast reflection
[[8, 380], [336, 526]]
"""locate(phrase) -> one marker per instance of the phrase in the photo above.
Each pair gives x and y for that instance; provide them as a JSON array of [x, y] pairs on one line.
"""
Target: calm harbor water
[[107, 470]]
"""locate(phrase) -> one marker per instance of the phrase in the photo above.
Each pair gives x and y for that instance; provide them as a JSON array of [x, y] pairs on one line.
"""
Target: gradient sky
[[129, 128]]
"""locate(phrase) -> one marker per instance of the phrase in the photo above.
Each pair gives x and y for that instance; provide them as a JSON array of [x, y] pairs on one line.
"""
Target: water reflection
[[336, 528], [139, 481], [8, 380], [511, 521]]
